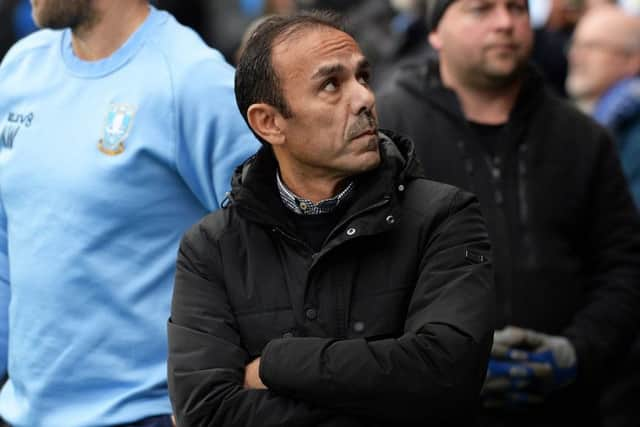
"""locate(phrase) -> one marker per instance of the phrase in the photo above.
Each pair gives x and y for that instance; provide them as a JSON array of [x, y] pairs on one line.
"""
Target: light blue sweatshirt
[[103, 166]]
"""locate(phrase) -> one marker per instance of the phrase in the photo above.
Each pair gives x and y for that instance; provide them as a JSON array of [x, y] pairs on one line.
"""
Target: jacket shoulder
[[428, 198], [568, 116], [209, 230]]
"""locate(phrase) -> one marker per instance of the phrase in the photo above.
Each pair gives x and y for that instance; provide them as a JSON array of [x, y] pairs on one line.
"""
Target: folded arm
[[436, 368], [206, 365]]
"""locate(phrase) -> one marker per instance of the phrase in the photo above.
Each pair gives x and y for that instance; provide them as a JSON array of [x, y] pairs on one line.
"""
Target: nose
[[362, 99]]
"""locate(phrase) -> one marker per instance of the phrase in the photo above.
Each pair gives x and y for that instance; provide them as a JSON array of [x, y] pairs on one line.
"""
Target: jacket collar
[[422, 78], [256, 196]]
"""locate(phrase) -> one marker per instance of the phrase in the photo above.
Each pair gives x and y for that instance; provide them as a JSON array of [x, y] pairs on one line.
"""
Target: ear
[[265, 120], [435, 40]]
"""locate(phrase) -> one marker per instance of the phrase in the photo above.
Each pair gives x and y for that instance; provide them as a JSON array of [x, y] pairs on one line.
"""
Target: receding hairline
[[297, 31]]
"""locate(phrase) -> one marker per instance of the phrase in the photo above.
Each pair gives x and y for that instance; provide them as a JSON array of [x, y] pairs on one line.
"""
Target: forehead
[[464, 5], [309, 49], [603, 25]]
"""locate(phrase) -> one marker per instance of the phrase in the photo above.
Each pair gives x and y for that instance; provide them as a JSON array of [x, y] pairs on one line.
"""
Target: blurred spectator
[[565, 231], [553, 22], [604, 80], [390, 33]]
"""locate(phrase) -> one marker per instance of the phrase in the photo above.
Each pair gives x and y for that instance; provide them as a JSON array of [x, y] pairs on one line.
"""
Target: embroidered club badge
[[117, 127]]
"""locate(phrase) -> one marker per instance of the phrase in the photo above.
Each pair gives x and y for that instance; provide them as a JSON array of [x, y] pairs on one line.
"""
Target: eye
[[364, 78], [517, 7], [480, 8], [330, 85]]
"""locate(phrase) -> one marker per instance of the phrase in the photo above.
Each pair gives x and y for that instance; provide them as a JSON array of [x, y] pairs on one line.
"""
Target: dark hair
[[256, 79]]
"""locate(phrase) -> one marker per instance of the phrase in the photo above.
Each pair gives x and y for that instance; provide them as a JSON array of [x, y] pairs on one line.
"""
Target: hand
[[252, 376], [525, 366]]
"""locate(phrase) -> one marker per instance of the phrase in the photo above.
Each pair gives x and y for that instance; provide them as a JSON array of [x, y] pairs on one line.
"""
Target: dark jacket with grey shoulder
[[565, 233], [388, 324]]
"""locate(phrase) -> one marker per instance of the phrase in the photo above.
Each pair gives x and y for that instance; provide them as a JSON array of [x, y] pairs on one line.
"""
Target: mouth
[[368, 132], [503, 46]]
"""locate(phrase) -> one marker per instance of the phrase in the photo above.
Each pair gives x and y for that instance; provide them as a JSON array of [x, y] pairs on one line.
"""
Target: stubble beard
[[488, 74], [494, 78], [60, 14]]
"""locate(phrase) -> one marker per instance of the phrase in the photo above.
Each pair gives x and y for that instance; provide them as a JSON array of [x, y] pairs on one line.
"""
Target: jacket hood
[[420, 79], [254, 190]]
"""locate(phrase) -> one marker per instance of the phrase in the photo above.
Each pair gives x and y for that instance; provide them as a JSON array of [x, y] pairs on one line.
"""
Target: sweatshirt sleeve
[[433, 372], [605, 326], [207, 361], [5, 291], [212, 136]]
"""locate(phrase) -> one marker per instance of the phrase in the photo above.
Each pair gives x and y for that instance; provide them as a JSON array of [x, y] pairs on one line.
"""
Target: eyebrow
[[329, 70]]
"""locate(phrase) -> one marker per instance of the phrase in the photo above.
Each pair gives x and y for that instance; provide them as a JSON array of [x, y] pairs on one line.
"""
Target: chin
[[371, 160], [576, 87]]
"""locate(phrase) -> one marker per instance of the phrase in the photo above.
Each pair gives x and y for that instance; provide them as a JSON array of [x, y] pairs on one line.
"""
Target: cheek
[[525, 34], [333, 124]]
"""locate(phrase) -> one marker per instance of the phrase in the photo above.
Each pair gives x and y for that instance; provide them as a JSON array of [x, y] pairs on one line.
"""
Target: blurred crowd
[[389, 31]]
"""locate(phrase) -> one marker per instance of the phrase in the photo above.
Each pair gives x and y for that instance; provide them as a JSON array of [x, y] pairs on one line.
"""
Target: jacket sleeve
[[212, 138], [604, 328], [433, 372], [5, 291], [206, 361]]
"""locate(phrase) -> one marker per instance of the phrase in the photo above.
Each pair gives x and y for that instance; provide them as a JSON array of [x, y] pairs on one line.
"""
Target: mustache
[[365, 122]]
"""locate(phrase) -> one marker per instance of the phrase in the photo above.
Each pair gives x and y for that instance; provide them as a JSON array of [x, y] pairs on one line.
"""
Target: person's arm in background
[[5, 292], [212, 137], [603, 329], [207, 363], [435, 369]]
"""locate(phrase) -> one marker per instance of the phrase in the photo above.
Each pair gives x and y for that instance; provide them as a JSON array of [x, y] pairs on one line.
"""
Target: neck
[[311, 186], [483, 105], [110, 29]]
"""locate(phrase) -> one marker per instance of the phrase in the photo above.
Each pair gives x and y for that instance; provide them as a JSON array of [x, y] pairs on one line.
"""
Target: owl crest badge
[[117, 127]]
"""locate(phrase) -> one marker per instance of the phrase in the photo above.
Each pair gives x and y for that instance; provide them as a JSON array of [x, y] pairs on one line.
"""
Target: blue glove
[[525, 366]]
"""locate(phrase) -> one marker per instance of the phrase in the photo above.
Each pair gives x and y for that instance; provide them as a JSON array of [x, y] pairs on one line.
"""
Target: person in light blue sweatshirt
[[118, 131]]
